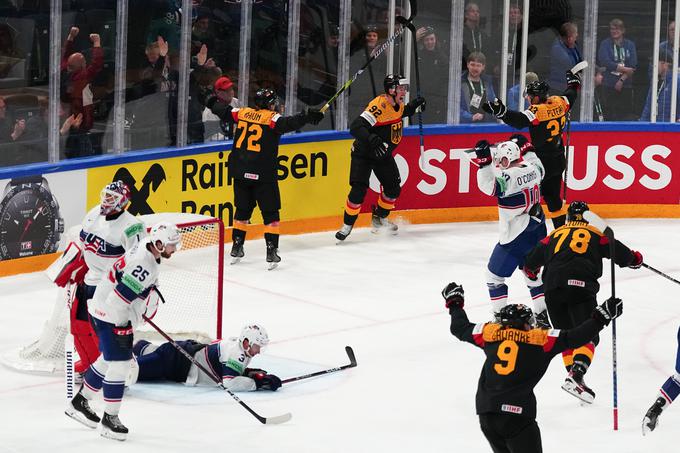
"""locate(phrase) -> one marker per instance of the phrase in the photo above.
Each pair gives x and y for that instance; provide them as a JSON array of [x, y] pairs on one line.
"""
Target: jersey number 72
[[253, 132]]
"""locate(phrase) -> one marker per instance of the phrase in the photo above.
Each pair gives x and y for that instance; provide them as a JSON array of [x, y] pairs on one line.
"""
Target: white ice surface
[[414, 388]]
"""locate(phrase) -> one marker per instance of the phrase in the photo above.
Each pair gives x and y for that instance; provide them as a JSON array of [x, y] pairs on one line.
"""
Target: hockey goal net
[[191, 283]]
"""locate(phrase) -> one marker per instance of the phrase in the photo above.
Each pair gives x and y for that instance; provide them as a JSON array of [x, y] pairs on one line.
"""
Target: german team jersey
[[255, 149], [548, 120], [572, 255], [516, 360], [385, 120]]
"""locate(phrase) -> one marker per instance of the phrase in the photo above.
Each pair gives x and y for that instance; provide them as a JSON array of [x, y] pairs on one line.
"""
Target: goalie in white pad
[[512, 173], [117, 307], [226, 359]]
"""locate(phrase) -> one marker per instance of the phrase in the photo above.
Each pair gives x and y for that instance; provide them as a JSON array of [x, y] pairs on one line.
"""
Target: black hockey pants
[[509, 433]]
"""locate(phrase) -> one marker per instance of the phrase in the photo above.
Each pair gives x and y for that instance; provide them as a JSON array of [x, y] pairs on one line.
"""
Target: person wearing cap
[[435, 64], [224, 92], [514, 91], [663, 92]]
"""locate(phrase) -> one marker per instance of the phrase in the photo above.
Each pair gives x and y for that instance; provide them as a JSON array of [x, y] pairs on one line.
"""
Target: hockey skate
[[112, 428], [379, 224], [79, 410], [237, 251], [575, 385], [651, 420], [542, 320], [273, 258], [344, 231]]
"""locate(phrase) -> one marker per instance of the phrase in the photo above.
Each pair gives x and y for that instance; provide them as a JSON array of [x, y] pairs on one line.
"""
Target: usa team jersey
[[517, 190], [121, 295], [104, 240], [225, 359]]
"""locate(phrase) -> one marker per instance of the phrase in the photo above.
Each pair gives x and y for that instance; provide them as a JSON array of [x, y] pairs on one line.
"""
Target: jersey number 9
[[507, 353]]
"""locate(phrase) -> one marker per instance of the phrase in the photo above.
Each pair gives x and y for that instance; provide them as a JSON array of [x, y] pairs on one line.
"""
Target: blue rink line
[[180, 394], [155, 154]]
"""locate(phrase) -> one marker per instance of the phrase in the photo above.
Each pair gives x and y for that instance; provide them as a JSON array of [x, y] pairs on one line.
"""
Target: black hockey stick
[[578, 67], [352, 364], [264, 420], [660, 273], [376, 53], [412, 28], [596, 221]]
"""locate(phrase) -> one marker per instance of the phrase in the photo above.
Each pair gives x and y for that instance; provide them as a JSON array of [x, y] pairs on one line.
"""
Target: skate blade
[[583, 396], [80, 418], [272, 266], [236, 260], [112, 435]]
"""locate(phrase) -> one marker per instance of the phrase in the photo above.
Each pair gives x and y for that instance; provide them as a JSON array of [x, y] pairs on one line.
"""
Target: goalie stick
[[352, 364], [596, 221], [378, 51], [264, 420]]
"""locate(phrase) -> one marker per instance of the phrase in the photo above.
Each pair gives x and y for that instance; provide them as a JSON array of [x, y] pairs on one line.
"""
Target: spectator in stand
[[474, 39], [477, 89], [10, 55], [202, 32], [598, 111], [514, 94], [435, 65], [619, 56], [155, 68], [514, 45], [224, 91], [76, 93], [667, 46], [371, 39], [10, 130], [563, 56], [663, 92], [202, 67]]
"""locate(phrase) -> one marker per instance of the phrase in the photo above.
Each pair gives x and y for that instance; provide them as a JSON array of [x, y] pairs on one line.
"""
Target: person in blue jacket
[[664, 93], [476, 89], [619, 56]]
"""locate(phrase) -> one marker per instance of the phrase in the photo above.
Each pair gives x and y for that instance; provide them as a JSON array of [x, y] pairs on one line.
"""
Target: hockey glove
[[532, 274], [483, 152], [608, 310], [523, 143], [454, 295], [266, 381], [377, 145], [313, 116], [123, 336], [574, 80], [497, 108], [637, 260], [417, 102]]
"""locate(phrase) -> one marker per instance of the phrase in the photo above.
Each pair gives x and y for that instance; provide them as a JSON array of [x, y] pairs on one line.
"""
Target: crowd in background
[[623, 80]]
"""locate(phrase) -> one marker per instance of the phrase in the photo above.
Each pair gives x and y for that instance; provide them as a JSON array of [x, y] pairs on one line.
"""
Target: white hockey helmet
[[167, 234], [505, 153], [255, 334]]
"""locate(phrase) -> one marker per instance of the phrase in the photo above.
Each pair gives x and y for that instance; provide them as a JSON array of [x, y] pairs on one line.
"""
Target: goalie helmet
[[393, 81], [265, 98], [114, 198], [576, 210], [516, 316], [505, 153], [255, 335], [167, 234]]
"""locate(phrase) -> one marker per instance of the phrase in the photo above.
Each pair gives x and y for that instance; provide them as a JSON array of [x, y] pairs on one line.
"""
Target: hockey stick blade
[[278, 419], [352, 364], [578, 67]]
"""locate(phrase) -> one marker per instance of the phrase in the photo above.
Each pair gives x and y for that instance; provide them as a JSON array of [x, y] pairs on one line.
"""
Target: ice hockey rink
[[414, 387]]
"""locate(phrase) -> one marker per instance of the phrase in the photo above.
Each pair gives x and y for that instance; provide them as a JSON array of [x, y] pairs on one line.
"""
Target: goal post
[[191, 282]]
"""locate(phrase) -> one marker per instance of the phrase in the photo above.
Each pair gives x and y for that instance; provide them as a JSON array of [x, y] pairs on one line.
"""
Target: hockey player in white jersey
[[512, 173], [108, 230], [228, 359], [119, 302]]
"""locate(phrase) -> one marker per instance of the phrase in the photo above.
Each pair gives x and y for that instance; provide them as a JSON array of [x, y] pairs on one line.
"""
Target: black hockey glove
[[523, 143], [377, 145], [417, 102], [454, 295], [637, 260], [574, 80], [496, 108], [266, 381], [608, 310], [483, 152], [313, 116]]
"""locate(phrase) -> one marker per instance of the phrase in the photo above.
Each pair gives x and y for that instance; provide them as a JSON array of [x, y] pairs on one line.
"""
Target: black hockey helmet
[[516, 316], [393, 81], [576, 210], [265, 97], [538, 88]]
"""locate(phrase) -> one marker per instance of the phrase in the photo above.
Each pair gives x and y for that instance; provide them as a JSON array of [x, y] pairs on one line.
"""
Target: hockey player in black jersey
[[253, 162], [572, 259], [546, 118], [517, 357], [377, 132]]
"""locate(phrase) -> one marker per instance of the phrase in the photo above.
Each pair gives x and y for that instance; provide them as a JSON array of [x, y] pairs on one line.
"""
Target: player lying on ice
[[225, 358]]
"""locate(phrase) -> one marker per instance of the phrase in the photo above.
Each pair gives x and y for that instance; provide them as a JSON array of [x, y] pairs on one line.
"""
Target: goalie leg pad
[[84, 337]]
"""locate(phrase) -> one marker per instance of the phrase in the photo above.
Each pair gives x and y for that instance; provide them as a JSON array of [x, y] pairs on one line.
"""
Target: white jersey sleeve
[[225, 359], [122, 294]]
